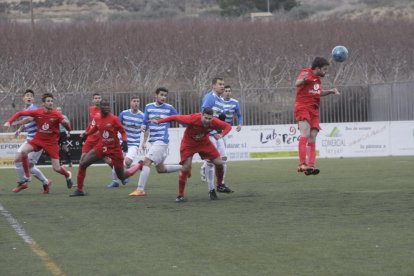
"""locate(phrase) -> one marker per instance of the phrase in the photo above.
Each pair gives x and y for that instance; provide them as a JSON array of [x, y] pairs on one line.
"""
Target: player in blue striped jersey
[[132, 120], [232, 108], [157, 135], [214, 100], [30, 128]]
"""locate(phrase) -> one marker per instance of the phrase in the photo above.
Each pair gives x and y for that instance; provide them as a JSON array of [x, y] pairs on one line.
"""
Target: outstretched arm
[[182, 119], [329, 92]]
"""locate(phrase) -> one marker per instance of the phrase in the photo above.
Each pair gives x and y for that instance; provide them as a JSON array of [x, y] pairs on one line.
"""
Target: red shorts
[[206, 151], [90, 143], [309, 114], [114, 153], [51, 149]]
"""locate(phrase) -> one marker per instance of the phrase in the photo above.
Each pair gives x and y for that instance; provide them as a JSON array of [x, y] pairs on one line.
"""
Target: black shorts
[[63, 138]]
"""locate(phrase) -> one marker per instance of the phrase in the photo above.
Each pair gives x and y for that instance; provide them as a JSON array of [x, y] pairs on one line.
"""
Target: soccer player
[[158, 138], [306, 110], [28, 124], [108, 126], [46, 138], [63, 138], [92, 140], [231, 108], [132, 120], [214, 100], [196, 140]]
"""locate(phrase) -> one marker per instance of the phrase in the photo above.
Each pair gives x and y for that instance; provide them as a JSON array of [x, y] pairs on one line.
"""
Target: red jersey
[[93, 112], [309, 93], [108, 128], [47, 123], [195, 132]]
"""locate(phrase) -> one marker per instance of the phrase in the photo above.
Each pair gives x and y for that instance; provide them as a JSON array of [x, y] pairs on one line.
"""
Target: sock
[[64, 172], [133, 170], [81, 178], [39, 175], [25, 164], [219, 174], [172, 168], [302, 149], [312, 153], [114, 176], [182, 179], [210, 175], [20, 171], [68, 157], [224, 171], [143, 177]]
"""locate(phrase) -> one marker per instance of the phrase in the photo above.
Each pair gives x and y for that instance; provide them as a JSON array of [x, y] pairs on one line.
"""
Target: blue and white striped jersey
[[211, 99], [132, 123], [30, 128], [153, 111], [231, 108]]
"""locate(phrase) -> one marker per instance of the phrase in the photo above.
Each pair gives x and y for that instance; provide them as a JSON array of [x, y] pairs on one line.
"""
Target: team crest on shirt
[[105, 134], [45, 126], [315, 89], [93, 122]]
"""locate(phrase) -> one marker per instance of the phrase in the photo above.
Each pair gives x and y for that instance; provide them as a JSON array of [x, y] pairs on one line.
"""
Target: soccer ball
[[339, 53]]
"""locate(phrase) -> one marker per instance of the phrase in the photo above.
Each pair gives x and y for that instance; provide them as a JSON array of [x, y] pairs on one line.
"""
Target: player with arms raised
[[46, 138], [196, 140], [306, 111]]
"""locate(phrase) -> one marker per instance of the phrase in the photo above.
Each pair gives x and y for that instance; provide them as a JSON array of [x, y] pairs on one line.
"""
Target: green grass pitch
[[355, 218]]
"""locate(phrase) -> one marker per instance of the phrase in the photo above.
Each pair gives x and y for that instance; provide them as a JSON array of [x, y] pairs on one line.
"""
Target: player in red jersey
[[108, 126], [196, 140], [46, 138], [94, 110], [306, 111]]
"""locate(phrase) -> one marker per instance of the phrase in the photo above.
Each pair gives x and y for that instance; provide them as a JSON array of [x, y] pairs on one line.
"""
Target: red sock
[[63, 171], [81, 178], [25, 164], [219, 174], [133, 170], [302, 149], [312, 154], [182, 180]]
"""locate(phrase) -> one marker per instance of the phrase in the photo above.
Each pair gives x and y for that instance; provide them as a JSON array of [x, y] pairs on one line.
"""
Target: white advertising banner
[[9, 144], [402, 138], [354, 139]]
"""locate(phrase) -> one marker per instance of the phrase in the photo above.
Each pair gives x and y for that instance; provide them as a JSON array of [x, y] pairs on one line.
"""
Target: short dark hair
[[161, 89], [214, 81], [28, 91], [227, 87], [208, 111], [46, 95], [134, 97], [96, 94], [319, 62]]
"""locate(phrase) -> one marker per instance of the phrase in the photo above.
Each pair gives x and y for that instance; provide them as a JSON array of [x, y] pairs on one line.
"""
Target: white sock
[[143, 177], [210, 175], [172, 168], [39, 175], [224, 170], [114, 176], [20, 171]]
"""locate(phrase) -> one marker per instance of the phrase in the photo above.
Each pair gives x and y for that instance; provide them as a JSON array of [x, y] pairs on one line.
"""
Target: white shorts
[[33, 156], [158, 152], [135, 153], [220, 145]]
